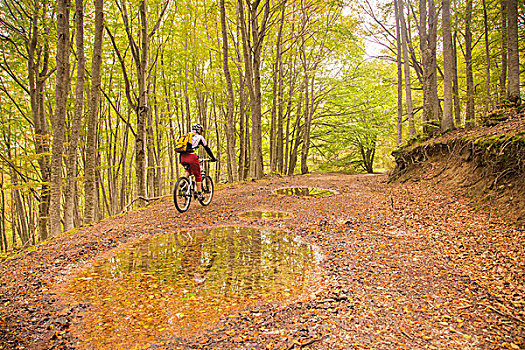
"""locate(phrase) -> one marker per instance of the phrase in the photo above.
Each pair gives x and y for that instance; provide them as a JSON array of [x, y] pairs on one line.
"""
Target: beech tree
[[94, 96], [448, 56], [513, 87], [58, 121], [70, 188], [253, 31]]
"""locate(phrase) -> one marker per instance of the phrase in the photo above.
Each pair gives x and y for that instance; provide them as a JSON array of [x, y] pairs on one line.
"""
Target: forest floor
[[412, 265]]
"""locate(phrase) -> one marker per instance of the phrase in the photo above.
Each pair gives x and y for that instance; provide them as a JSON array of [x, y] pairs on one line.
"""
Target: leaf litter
[[405, 266]]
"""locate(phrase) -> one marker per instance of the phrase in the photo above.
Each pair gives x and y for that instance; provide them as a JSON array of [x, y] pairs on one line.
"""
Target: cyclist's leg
[[196, 170], [198, 175], [192, 160], [182, 161]]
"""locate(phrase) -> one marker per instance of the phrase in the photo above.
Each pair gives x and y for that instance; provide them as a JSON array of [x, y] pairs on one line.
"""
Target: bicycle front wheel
[[182, 194], [207, 190]]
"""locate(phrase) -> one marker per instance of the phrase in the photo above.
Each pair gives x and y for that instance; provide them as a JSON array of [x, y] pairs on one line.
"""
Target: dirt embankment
[[486, 164]]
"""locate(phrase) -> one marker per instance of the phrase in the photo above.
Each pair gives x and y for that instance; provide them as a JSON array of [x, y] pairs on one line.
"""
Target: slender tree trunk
[[142, 107], [399, 138], [273, 119], [242, 128], [159, 154], [124, 180], [307, 108], [487, 57], [280, 101], [455, 85], [3, 235], [428, 51], [230, 123], [36, 88], [23, 231], [308, 112], [297, 136], [503, 73], [513, 87], [469, 118], [252, 54], [432, 44], [69, 191], [151, 172], [288, 117], [90, 187], [62, 89], [448, 118], [425, 53], [408, 84], [276, 126]]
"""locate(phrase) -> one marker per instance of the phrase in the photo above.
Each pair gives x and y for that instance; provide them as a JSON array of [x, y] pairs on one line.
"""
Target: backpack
[[184, 143]]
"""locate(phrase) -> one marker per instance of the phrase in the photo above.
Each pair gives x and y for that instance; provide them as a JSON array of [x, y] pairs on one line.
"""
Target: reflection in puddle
[[175, 283], [260, 214], [304, 191]]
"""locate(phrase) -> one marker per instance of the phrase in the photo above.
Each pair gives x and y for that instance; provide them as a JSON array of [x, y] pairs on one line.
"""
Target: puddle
[[304, 191], [261, 214], [180, 282]]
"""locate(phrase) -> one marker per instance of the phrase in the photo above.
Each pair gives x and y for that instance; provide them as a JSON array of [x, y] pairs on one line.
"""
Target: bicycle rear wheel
[[182, 194], [207, 190]]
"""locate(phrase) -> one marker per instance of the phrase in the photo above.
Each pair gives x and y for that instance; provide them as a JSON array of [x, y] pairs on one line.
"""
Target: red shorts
[[193, 160]]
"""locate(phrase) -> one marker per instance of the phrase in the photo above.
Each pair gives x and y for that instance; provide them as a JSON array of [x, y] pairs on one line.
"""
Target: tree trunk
[[513, 87], [455, 85], [487, 57], [503, 73], [151, 172], [230, 123], [399, 137], [142, 108], [3, 235], [243, 119], [273, 119], [297, 136], [307, 108], [277, 109], [36, 90], [69, 191], [23, 231], [428, 51], [432, 44], [62, 89], [408, 84], [469, 118], [252, 54], [280, 100], [94, 96], [448, 119], [308, 112]]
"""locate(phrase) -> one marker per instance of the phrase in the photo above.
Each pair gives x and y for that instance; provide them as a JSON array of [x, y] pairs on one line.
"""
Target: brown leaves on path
[[405, 266]]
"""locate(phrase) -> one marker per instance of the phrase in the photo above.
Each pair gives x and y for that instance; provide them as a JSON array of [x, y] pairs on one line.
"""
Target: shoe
[[200, 196]]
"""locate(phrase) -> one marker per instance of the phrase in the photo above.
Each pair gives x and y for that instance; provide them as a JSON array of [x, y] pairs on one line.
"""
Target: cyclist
[[193, 160]]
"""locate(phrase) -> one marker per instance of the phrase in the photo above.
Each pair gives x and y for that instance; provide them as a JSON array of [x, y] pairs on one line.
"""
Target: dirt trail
[[406, 266]]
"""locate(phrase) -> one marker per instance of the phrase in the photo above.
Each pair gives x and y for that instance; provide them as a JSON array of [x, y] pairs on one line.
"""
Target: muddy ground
[[413, 265]]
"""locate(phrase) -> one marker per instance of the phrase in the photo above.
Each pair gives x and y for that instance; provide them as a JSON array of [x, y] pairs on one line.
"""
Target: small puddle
[[304, 191], [261, 214], [180, 282]]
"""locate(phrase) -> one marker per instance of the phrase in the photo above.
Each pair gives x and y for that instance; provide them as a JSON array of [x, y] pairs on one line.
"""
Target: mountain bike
[[186, 189]]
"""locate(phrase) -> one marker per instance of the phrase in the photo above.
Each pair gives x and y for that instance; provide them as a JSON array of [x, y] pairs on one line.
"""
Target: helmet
[[197, 127]]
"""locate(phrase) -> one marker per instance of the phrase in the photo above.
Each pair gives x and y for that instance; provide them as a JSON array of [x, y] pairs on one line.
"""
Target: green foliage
[[357, 118]]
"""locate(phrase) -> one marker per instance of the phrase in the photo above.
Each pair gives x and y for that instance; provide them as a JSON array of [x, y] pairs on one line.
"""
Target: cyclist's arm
[[208, 150]]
